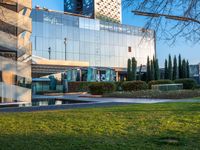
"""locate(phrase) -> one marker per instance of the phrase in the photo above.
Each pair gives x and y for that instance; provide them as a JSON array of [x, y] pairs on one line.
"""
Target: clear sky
[[189, 51]]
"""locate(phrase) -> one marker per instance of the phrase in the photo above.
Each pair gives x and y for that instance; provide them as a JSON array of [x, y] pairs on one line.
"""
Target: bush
[[156, 94], [119, 85], [99, 88], [187, 83], [78, 86], [155, 82], [134, 86]]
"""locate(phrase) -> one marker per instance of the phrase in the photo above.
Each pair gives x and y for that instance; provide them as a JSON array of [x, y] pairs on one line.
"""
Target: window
[[129, 49]]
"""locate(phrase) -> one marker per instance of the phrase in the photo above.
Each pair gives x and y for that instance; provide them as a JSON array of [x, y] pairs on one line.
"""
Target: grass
[[156, 94], [168, 126]]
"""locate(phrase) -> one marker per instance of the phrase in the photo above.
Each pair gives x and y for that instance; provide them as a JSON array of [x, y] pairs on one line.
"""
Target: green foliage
[[155, 82], [134, 86], [140, 73], [157, 70], [134, 68], [188, 69], [166, 70], [157, 94], [175, 68], [184, 69], [118, 85], [148, 74], [179, 66], [170, 67], [187, 83], [152, 76], [78, 86], [99, 88], [129, 77]]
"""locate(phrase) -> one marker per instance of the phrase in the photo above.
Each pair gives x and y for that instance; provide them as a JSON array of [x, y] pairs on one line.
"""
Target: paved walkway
[[91, 102], [87, 97]]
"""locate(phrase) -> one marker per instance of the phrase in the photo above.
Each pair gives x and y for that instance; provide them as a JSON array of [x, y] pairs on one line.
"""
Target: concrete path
[[87, 97], [91, 102]]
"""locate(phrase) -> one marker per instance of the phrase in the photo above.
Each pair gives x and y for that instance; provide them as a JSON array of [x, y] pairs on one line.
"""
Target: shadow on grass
[[85, 142]]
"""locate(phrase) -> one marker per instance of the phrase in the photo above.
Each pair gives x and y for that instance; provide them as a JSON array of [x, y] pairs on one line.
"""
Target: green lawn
[[148, 126]]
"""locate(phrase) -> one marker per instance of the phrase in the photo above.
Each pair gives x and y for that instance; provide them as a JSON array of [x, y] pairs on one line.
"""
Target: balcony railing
[[25, 3], [15, 19], [20, 44]]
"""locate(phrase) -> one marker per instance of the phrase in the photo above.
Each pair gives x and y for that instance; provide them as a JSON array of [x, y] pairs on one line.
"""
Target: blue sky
[[189, 51]]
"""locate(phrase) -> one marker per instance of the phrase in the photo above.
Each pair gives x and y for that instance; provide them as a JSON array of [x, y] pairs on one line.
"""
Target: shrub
[[155, 82], [187, 83], [78, 86], [119, 85], [99, 88], [134, 86], [156, 94]]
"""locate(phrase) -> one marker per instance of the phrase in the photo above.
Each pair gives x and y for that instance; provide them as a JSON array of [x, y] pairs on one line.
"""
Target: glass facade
[[101, 43], [84, 7]]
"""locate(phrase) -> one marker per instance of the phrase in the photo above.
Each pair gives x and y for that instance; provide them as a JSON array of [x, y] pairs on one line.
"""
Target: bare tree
[[171, 29]]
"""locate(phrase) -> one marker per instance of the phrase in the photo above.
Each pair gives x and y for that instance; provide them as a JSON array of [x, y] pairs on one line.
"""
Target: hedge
[[187, 83], [155, 82], [134, 86], [78, 86], [99, 88], [118, 85]]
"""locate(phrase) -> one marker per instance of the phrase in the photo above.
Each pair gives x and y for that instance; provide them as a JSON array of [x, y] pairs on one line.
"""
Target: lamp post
[[49, 51], [179, 18], [65, 42]]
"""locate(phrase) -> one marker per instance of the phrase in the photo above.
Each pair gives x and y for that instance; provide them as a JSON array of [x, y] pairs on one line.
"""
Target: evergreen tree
[[175, 68], [140, 72], [166, 70], [170, 68], [148, 74], [152, 75], [129, 70], [188, 69], [184, 69], [157, 71], [179, 67], [134, 68]]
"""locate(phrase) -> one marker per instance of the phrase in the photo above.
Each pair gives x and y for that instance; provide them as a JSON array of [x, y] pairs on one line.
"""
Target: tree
[[134, 68], [129, 70], [157, 71], [175, 68], [182, 23], [184, 69], [140, 72], [152, 76], [188, 69], [179, 67], [166, 70], [148, 76], [170, 67]]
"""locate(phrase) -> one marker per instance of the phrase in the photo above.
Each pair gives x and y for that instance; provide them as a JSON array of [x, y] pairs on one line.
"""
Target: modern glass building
[[109, 10], [59, 36], [84, 7]]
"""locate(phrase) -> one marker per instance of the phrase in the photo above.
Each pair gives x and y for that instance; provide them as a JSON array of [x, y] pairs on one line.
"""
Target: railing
[[16, 67], [15, 19], [19, 44], [25, 3], [11, 93]]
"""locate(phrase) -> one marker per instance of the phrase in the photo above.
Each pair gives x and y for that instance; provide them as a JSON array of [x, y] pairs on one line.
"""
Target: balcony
[[24, 3], [20, 44], [16, 19]]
